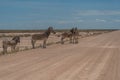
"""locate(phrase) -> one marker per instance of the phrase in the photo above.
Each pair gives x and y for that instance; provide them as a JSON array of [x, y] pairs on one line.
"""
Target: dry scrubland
[[53, 39], [94, 58]]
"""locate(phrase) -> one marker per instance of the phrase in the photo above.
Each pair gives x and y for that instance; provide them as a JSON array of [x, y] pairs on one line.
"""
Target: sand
[[94, 58]]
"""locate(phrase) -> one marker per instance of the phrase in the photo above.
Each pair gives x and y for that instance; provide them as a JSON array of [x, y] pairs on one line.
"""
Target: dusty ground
[[94, 58]]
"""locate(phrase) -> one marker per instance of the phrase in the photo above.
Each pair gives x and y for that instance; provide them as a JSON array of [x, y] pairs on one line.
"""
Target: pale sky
[[61, 14]]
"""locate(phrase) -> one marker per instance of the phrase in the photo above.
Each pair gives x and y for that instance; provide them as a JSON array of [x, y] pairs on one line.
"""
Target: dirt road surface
[[94, 58]]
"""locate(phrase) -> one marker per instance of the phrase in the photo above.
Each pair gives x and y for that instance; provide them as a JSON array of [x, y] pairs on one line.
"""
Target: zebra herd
[[72, 35]]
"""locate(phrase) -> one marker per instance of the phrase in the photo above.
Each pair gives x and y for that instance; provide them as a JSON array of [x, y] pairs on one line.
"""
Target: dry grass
[[53, 39]]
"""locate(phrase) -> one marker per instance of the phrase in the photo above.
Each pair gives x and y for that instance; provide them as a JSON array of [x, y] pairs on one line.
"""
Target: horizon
[[61, 14]]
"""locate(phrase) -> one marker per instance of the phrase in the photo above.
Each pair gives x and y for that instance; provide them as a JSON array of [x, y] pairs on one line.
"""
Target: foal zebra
[[44, 36], [66, 35], [75, 34], [10, 43], [72, 35]]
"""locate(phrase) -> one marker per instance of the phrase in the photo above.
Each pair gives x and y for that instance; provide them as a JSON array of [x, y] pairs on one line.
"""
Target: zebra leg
[[77, 37], [13, 48], [73, 40], [4, 49], [62, 42], [33, 43], [44, 43]]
